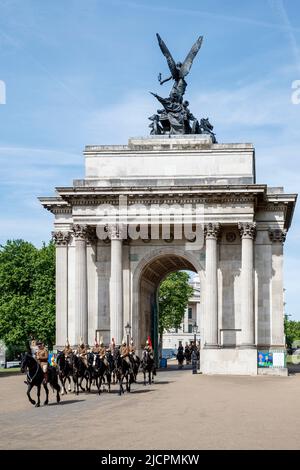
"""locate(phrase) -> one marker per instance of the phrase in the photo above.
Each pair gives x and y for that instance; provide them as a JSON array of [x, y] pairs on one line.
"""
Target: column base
[[234, 361], [211, 346]]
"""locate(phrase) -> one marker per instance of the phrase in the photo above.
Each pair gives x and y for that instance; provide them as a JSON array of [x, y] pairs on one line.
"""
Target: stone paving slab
[[179, 411]]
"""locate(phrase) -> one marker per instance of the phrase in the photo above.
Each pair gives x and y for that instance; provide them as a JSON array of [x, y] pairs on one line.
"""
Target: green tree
[[292, 331], [27, 293], [174, 293]]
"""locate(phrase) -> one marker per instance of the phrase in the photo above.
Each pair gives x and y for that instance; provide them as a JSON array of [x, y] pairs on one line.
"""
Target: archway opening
[[153, 273]]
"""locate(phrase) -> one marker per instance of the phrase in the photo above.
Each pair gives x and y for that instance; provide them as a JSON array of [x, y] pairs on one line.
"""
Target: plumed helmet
[[67, 343]]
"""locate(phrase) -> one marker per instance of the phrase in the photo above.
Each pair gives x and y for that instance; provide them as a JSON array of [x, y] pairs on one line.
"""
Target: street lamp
[[127, 330]]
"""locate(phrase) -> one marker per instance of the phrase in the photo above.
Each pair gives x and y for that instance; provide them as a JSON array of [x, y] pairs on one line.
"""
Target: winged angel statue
[[175, 117]]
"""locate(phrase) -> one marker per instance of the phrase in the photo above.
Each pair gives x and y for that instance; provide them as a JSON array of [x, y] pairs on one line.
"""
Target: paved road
[[180, 410]]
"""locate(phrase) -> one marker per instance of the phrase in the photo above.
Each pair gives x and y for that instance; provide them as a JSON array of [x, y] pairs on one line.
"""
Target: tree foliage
[[292, 331], [27, 293], [173, 296]]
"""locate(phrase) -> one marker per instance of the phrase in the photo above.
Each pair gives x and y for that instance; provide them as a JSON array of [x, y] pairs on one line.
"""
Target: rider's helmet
[[67, 343]]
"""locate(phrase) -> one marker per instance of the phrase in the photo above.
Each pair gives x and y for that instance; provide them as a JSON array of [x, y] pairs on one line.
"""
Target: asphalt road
[[179, 411]]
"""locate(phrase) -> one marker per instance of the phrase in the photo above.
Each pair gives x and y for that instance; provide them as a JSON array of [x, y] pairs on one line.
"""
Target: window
[[190, 313], [190, 328]]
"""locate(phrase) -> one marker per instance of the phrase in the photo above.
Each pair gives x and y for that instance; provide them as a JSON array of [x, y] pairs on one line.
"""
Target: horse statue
[[35, 378]]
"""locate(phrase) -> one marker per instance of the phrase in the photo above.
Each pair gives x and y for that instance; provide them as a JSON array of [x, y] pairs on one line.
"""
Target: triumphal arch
[[175, 200]]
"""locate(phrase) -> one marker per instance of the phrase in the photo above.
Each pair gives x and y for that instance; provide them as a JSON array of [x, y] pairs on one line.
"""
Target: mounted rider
[[112, 346], [131, 349], [102, 353], [67, 351], [124, 353], [148, 347], [82, 351], [41, 356]]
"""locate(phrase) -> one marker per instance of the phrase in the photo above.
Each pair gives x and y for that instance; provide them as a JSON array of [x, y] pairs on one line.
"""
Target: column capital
[[247, 230], [115, 231], [212, 230], [80, 231], [61, 238], [277, 235]]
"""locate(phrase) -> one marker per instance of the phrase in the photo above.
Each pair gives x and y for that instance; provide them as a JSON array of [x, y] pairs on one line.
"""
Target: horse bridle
[[30, 379]]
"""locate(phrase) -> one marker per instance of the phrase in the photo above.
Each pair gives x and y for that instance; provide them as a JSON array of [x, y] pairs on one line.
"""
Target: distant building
[[185, 333]]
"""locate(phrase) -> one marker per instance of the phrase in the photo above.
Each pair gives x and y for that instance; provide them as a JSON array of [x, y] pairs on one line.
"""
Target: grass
[[11, 369]]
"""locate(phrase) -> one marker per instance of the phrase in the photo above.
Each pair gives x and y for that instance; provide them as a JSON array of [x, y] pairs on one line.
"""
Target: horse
[[65, 371], [35, 378], [98, 370], [122, 371], [136, 362], [187, 354], [80, 372], [148, 365], [180, 357]]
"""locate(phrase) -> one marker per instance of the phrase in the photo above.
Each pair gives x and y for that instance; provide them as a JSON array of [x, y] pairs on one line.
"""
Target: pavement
[[179, 411]]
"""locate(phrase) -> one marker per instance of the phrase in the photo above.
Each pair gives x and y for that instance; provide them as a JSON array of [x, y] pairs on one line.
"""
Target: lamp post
[[195, 331], [127, 330]]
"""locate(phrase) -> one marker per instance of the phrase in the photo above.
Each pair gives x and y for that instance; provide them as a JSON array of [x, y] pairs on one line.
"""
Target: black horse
[[123, 371], [148, 366], [136, 362], [187, 354], [98, 371], [80, 372], [65, 370], [180, 357], [35, 378]]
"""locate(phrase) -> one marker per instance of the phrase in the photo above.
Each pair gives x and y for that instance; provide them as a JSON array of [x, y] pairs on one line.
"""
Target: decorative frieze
[[61, 238], [277, 235], [212, 230], [247, 229]]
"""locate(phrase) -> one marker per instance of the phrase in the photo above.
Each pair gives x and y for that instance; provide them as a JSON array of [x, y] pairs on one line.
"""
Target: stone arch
[[173, 254]]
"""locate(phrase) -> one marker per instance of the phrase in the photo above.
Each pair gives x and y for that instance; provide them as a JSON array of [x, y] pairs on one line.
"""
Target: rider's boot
[[45, 377]]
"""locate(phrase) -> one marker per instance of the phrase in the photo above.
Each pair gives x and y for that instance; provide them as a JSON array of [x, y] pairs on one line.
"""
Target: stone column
[[81, 304], [277, 237], [61, 240], [116, 285], [247, 233], [211, 232], [186, 320]]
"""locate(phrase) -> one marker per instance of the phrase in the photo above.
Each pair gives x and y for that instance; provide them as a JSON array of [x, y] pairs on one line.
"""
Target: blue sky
[[78, 72]]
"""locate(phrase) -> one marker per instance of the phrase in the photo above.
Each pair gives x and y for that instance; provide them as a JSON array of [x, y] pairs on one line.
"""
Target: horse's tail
[[53, 379]]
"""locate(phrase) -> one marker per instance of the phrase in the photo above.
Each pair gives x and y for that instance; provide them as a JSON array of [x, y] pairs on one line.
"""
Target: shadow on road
[[68, 402]]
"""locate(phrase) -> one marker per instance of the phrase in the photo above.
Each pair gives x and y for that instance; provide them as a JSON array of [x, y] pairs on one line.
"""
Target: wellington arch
[[104, 282]]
